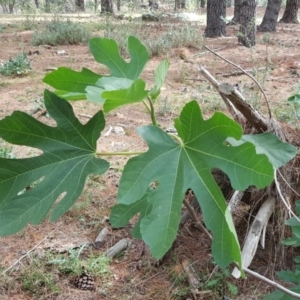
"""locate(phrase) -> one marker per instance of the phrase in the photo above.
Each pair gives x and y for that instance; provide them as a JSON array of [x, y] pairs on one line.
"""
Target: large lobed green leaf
[[67, 81], [68, 158], [106, 52], [120, 87], [175, 167], [279, 153]]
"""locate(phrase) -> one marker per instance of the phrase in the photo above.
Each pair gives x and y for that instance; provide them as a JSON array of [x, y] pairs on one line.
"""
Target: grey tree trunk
[[247, 31], [215, 18], [179, 4], [47, 6], [106, 7], [290, 12], [79, 5], [269, 21], [37, 3], [228, 3], [203, 2], [237, 12]]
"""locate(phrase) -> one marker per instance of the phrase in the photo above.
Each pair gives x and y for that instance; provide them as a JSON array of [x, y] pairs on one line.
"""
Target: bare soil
[[135, 275]]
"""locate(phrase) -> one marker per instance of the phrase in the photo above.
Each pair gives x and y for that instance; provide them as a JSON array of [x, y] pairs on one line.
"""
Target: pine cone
[[84, 282]]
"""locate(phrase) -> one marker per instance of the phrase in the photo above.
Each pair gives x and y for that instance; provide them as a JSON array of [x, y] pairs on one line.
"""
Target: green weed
[[97, 265], [16, 66], [38, 282], [219, 282]]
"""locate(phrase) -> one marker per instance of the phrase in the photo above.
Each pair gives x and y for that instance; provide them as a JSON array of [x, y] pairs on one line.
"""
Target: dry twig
[[246, 73]]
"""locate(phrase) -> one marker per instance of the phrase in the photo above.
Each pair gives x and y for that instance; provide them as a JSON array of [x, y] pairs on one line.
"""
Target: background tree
[[8, 6], [37, 3], [106, 7], [79, 5], [247, 31], [290, 12], [215, 18], [270, 18], [47, 6], [237, 12], [202, 3], [228, 3]]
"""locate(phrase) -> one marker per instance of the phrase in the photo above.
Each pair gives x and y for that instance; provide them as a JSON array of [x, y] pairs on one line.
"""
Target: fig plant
[[154, 182]]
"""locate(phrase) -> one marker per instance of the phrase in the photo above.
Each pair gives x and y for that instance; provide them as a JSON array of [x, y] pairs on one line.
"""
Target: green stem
[[177, 138], [147, 107], [151, 111], [119, 153]]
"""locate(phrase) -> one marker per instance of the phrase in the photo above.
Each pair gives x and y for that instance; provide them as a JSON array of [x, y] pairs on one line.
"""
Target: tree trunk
[[247, 31], [215, 18], [47, 6], [79, 5], [118, 5], [269, 21], [290, 12], [237, 12], [95, 5], [203, 2], [179, 4], [11, 8], [37, 4], [106, 7], [228, 3]]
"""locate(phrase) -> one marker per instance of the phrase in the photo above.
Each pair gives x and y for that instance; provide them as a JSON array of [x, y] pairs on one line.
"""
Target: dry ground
[[134, 275]]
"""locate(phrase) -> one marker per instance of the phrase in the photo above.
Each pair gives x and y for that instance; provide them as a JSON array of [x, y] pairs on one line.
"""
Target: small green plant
[[97, 265], [289, 276], [219, 281], [38, 282], [2, 27], [173, 162], [16, 66], [58, 32]]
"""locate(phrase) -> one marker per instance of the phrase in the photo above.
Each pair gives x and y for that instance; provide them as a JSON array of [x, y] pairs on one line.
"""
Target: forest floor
[[274, 62]]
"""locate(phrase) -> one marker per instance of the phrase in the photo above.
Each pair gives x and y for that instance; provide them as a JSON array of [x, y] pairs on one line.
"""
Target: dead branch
[[198, 223], [232, 110], [246, 73], [192, 277], [235, 73], [229, 92], [117, 248], [272, 283], [253, 236], [235, 200], [101, 238]]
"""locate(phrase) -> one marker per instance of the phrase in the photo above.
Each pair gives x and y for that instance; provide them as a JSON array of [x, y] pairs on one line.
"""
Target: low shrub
[[59, 32]]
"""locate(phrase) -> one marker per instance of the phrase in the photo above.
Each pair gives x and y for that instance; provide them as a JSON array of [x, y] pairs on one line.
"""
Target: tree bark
[[37, 3], [237, 12], [215, 18], [228, 3], [106, 7], [47, 6], [79, 5], [179, 4], [203, 2], [290, 12], [247, 31], [269, 21]]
